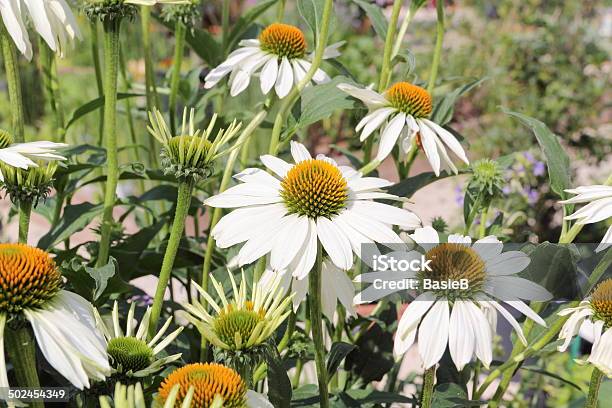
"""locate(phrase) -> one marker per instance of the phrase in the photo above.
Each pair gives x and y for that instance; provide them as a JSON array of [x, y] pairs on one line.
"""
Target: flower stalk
[[48, 65], [22, 353], [111, 71], [13, 80], [25, 211], [180, 30], [385, 72], [594, 385], [316, 318], [183, 201], [429, 378], [438, 48]]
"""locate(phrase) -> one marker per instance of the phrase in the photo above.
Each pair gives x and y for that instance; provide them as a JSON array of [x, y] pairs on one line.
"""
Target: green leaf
[[243, 23], [363, 397], [539, 370], [279, 385], [320, 101], [407, 187], [472, 204], [94, 105], [74, 219], [200, 41], [101, 276], [312, 12], [376, 16], [450, 395], [339, 350], [444, 110], [556, 158]]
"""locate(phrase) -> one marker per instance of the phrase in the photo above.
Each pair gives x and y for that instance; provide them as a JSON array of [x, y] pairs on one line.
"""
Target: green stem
[[95, 54], [151, 89], [429, 378], [290, 99], [22, 353], [13, 79], [385, 72], [594, 388], [111, 69], [371, 166], [48, 67], [25, 211], [316, 318], [403, 28], [280, 11], [183, 201], [282, 345], [482, 230], [438, 49], [179, 48]]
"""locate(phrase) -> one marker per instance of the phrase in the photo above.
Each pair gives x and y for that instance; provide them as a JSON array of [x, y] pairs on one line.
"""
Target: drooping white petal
[[409, 322], [601, 354], [510, 287], [335, 243], [389, 135], [373, 121], [277, 165], [367, 96], [429, 146], [433, 333], [284, 82], [307, 255], [268, 75], [426, 237], [507, 263], [461, 340], [336, 286], [290, 239], [257, 400], [12, 18], [482, 333], [299, 152], [387, 214], [606, 241], [449, 139]]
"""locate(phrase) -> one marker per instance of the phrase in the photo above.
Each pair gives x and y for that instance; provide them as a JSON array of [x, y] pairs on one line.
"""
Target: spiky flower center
[[209, 380], [234, 326], [6, 139], [410, 99], [487, 176], [28, 278], [283, 40], [129, 353], [452, 264], [601, 302], [314, 188], [28, 185], [189, 150]]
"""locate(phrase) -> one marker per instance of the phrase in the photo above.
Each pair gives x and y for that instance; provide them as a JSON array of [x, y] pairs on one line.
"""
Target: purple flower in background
[[531, 194], [539, 168], [142, 300], [459, 197], [506, 190], [529, 157]]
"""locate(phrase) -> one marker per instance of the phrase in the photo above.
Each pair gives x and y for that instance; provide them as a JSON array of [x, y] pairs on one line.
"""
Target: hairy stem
[[316, 318], [111, 69], [594, 388], [25, 211], [22, 353], [429, 378], [13, 79], [387, 67], [435, 63], [95, 56], [179, 49], [48, 67], [183, 201]]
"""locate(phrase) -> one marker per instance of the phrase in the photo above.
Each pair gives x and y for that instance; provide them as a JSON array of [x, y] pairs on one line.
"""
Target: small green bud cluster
[[188, 13], [109, 10], [28, 185]]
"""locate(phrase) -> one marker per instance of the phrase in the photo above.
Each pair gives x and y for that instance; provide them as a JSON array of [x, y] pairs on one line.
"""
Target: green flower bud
[[28, 185]]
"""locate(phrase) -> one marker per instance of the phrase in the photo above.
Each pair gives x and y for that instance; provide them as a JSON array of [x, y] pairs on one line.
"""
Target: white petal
[[299, 152], [510, 287], [482, 334], [515, 325], [389, 135], [290, 239], [507, 263], [449, 139], [374, 230], [367, 96], [307, 255], [257, 400], [409, 322], [258, 176], [267, 77], [278, 166], [284, 82], [460, 337], [426, 237], [387, 214], [358, 184], [433, 333], [373, 121], [606, 241], [335, 243], [429, 145], [245, 194]]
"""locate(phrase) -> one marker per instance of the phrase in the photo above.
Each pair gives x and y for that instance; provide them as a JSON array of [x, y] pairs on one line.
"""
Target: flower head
[[209, 385], [190, 155], [285, 214], [402, 113], [26, 155], [278, 55], [599, 208], [464, 318], [129, 352], [52, 19], [487, 177], [594, 316], [187, 13], [243, 322], [29, 185], [31, 290]]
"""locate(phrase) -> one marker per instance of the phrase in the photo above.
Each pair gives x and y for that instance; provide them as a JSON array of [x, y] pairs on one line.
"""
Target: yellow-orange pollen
[[314, 188], [208, 381], [410, 99], [454, 262], [28, 278], [601, 302], [283, 40]]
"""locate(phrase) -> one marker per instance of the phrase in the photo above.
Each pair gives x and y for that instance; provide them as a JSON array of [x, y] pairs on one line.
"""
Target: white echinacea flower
[[464, 319], [595, 314], [129, 352], [314, 200], [279, 55], [336, 287], [22, 155], [52, 19], [404, 110], [599, 208], [63, 322]]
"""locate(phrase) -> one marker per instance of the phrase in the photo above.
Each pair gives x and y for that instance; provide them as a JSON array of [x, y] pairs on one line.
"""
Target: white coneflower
[[314, 200], [599, 208], [279, 55], [23, 155], [464, 319], [210, 385], [336, 287], [404, 110], [594, 313], [63, 322], [129, 351], [52, 19]]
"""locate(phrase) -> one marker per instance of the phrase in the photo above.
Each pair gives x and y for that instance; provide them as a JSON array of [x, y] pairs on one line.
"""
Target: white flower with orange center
[[63, 322], [314, 200], [278, 55], [599, 208], [594, 315], [464, 318], [402, 113]]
